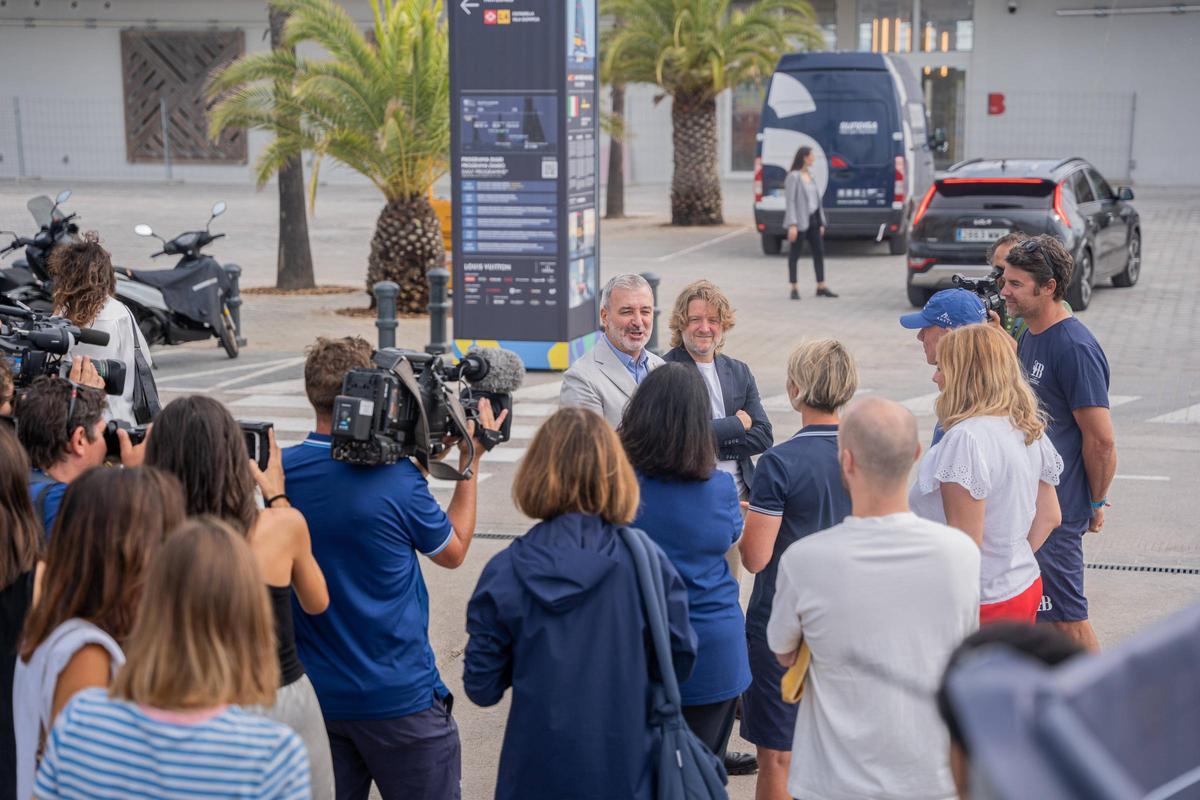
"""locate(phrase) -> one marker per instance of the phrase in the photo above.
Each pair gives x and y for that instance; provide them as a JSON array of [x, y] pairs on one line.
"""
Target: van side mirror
[[1125, 194]]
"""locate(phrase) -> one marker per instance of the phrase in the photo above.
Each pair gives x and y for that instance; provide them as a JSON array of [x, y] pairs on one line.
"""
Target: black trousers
[[813, 237], [712, 724]]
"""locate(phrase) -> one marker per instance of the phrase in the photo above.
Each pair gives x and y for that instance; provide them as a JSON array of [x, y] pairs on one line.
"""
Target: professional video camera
[[37, 344], [986, 289], [137, 435], [405, 407]]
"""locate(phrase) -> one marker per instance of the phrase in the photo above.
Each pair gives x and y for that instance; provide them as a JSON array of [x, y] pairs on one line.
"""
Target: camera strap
[[437, 469]]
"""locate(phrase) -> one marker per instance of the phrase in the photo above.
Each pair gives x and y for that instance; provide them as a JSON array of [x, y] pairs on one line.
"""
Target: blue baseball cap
[[949, 308]]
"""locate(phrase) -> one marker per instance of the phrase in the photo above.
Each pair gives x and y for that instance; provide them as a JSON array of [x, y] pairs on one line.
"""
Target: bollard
[[653, 279], [385, 307], [233, 300], [439, 305]]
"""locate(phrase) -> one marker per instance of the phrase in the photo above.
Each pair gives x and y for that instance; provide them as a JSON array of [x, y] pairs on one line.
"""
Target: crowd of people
[[178, 621]]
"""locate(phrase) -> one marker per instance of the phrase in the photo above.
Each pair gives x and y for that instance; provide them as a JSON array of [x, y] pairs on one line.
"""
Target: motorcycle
[[27, 280], [186, 303]]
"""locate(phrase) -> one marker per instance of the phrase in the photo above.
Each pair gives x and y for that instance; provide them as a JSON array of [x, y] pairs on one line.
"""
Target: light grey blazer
[[599, 381], [798, 209]]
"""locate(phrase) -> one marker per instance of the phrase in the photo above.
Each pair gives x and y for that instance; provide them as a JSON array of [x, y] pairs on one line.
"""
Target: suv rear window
[[988, 195]]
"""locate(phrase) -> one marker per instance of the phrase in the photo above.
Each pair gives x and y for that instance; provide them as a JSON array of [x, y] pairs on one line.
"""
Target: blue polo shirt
[[46, 494], [799, 480], [638, 369], [695, 523], [368, 655], [1068, 370]]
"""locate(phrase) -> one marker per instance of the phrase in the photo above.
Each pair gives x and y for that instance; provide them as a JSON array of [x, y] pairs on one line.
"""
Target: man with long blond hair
[[994, 473]]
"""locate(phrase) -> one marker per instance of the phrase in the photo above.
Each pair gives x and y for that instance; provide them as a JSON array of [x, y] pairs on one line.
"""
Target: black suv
[[976, 202]]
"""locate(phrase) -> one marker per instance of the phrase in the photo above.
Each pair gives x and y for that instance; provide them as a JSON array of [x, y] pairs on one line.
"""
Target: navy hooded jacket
[[558, 616]]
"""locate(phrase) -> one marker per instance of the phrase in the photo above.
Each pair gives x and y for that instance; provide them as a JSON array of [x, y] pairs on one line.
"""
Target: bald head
[[881, 435]]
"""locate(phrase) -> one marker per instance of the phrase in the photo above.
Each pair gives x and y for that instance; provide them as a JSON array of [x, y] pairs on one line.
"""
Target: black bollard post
[[385, 309], [234, 301], [653, 279], [439, 306]]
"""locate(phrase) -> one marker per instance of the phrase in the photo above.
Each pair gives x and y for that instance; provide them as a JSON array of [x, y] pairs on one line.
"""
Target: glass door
[[945, 98]]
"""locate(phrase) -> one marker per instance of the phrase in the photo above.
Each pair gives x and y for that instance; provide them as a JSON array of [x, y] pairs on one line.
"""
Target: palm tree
[[694, 50], [380, 107]]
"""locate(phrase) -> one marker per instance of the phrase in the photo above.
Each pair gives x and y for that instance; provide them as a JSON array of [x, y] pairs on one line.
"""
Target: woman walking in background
[[993, 473], [690, 509], [170, 726], [110, 528], [804, 220]]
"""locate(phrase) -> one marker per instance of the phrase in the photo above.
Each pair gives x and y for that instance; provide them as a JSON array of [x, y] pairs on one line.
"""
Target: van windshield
[[991, 195]]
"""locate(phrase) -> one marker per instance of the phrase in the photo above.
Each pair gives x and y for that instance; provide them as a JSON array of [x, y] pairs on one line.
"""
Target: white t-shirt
[[882, 602], [118, 322], [988, 457], [717, 401]]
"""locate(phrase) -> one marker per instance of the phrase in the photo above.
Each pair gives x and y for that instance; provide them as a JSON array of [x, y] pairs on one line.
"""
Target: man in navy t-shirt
[[386, 709], [1068, 371], [797, 490]]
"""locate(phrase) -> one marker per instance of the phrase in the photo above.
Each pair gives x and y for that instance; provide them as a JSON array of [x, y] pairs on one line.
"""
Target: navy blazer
[[739, 393]]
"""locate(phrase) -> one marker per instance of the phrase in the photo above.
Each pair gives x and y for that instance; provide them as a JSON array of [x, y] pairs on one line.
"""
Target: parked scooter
[[186, 303], [27, 280]]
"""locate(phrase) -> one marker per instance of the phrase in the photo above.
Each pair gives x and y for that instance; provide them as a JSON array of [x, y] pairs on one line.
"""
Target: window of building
[[920, 26], [946, 26], [885, 26]]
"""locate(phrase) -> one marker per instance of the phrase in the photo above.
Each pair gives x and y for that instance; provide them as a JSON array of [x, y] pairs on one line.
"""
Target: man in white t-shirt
[[881, 600]]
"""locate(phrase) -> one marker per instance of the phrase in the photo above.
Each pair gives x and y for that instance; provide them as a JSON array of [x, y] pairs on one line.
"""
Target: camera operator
[[946, 310], [84, 292], [386, 709], [60, 423]]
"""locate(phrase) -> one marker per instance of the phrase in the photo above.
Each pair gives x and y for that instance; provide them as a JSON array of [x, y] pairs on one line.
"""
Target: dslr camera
[[407, 406], [986, 289], [38, 344]]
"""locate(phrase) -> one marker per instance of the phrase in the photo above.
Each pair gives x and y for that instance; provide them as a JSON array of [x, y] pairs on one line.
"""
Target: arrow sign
[[467, 5]]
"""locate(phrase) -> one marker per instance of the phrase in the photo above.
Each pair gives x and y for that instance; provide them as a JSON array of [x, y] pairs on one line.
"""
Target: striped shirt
[[106, 748]]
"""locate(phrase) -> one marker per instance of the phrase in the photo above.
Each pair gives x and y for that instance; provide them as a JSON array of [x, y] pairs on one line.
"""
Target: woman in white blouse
[[993, 473]]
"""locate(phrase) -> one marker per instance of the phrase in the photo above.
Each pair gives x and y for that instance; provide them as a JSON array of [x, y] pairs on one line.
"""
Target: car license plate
[[978, 234]]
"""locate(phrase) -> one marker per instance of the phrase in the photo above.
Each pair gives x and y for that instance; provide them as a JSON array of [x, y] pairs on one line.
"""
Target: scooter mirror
[[63, 197], [143, 230], [218, 208]]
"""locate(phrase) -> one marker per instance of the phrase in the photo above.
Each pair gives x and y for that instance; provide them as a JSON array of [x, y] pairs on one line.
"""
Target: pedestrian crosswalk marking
[[540, 391], [273, 401], [1180, 416], [922, 406]]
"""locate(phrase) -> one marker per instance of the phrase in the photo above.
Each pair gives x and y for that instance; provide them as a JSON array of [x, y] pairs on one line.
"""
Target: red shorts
[[1022, 608]]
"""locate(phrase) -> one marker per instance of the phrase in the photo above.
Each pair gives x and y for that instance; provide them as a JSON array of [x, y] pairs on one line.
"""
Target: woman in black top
[[20, 546]]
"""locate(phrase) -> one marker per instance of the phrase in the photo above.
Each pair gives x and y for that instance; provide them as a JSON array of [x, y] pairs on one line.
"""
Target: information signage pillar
[[525, 177]]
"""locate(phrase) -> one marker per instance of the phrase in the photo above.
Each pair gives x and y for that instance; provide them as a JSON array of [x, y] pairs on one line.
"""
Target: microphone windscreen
[[506, 371], [92, 336]]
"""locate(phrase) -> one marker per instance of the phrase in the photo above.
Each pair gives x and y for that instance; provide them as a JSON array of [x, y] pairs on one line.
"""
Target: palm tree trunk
[[407, 244], [695, 184], [293, 265], [614, 198]]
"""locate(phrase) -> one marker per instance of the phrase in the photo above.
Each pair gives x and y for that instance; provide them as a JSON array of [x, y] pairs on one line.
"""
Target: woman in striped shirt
[[170, 726]]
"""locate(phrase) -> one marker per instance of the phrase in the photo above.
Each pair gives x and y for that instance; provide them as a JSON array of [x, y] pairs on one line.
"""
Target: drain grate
[[1146, 568], [505, 537]]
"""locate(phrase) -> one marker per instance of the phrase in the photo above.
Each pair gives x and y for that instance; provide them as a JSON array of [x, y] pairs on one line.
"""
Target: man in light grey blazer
[[606, 377]]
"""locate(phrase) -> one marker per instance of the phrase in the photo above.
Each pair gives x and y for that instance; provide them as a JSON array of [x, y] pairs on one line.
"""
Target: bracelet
[[269, 501], [1101, 503]]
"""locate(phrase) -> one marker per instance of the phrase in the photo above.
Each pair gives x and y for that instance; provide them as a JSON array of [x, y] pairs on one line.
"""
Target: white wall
[[1105, 61]]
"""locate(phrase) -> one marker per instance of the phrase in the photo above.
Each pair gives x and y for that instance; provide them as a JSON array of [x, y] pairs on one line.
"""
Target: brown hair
[[1044, 258], [1007, 240], [983, 379], [326, 364], [204, 635], [823, 373], [709, 293], [41, 411], [6, 381], [216, 477], [576, 464], [110, 527], [83, 279], [20, 529]]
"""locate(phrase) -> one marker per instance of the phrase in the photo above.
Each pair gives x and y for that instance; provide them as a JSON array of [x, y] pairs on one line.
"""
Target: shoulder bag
[[146, 404]]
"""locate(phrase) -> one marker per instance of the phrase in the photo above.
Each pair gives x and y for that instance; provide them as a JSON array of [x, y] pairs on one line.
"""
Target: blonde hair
[[823, 373], [709, 293], [983, 378], [576, 464], [204, 635]]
